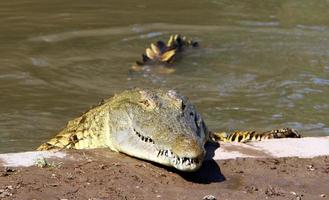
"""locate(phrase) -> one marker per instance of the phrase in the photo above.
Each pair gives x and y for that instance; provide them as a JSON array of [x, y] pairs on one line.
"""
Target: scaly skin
[[155, 125], [247, 136]]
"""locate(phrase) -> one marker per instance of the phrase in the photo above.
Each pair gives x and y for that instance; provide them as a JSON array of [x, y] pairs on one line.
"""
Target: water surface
[[261, 64]]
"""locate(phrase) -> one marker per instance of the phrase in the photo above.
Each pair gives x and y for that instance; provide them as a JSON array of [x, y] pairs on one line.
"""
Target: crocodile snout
[[189, 153]]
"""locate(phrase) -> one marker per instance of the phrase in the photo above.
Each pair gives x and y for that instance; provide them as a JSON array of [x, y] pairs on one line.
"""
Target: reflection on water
[[261, 65]]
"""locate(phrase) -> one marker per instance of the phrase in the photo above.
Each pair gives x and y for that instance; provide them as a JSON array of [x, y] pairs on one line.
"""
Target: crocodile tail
[[246, 136], [179, 42]]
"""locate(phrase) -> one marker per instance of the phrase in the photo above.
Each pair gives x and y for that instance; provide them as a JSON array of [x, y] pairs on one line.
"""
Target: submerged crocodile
[[155, 125], [164, 54]]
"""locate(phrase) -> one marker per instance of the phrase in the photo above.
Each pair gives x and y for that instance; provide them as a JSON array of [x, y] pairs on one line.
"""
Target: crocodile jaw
[[190, 159], [188, 164], [172, 160]]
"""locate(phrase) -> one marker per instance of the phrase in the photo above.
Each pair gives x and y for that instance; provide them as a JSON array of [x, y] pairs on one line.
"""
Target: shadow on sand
[[208, 173]]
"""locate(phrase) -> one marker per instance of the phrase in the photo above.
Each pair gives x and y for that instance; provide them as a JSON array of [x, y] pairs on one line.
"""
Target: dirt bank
[[100, 174]]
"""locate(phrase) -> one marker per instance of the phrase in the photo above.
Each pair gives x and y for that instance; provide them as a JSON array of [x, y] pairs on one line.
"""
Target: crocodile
[[157, 125], [164, 54]]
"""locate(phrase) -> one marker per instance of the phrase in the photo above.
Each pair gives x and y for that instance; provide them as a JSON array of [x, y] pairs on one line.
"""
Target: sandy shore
[[101, 174]]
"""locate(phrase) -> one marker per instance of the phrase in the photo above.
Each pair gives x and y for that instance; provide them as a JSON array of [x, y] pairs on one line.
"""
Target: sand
[[101, 174]]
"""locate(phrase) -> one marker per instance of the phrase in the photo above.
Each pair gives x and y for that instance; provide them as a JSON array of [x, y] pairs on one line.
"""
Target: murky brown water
[[261, 64]]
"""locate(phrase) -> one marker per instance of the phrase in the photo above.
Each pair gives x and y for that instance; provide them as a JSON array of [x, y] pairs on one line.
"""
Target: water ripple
[[144, 28], [320, 81]]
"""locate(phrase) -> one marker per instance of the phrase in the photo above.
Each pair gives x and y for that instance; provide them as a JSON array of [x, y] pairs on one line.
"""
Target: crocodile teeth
[[177, 160], [143, 138]]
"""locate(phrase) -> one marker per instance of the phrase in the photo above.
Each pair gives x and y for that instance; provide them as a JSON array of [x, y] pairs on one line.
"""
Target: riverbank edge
[[244, 171], [307, 147]]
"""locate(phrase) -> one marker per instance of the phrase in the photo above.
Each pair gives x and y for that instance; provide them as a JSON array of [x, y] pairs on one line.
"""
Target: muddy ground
[[100, 174]]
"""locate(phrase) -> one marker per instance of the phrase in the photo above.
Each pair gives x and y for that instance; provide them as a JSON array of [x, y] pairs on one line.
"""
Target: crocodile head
[[159, 126]]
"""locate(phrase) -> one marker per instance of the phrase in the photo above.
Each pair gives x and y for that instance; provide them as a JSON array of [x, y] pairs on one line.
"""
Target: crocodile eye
[[145, 102], [148, 100]]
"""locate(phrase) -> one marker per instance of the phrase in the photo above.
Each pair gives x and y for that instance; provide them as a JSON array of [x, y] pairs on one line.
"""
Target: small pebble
[[209, 197], [322, 195], [9, 187], [8, 169], [5, 194], [251, 189], [293, 193], [310, 168]]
